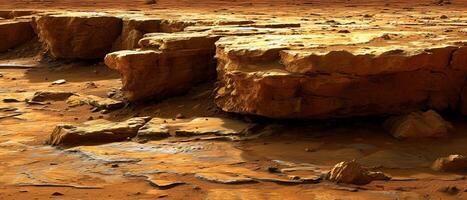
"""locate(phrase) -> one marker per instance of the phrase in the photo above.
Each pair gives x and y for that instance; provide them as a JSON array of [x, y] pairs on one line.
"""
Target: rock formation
[[167, 64], [79, 35], [418, 125], [452, 163], [318, 76], [14, 33], [352, 172]]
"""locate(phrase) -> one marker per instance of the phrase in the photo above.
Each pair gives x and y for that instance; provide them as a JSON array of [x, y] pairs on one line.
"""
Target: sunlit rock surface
[[167, 65], [331, 76], [79, 35]]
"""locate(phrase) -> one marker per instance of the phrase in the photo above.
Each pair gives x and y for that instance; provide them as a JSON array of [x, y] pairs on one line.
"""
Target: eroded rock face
[[304, 77], [79, 35], [167, 64], [134, 29], [97, 131], [352, 172], [452, 163], [15, 33], [418, 125]]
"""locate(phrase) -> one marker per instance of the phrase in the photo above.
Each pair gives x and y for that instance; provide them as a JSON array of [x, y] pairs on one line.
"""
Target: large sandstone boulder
[[15, 33], [167, 64], [79, 35], [351, 172], [329, 76], [452, 163], [97, 131], [418, 125]]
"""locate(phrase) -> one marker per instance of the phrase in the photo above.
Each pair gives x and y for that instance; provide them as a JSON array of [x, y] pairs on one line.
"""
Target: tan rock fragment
[[97, 131], [418, 125], [351, 172], [96, 101]]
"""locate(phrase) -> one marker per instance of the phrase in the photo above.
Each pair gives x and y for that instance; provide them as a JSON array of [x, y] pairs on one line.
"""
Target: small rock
[[418, 125], [150, 1], [351, 172], [451, 190], [343, 31], [272, 169], [443, 17], [451, 163], [180, 116], [57, 194], [10, 100], [90, 85], [51, 96], [59, 82]]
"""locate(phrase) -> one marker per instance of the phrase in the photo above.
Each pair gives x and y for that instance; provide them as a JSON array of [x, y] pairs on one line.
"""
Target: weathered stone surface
[[352, 172], [51, 96], [452, 163], [79, 35], [159, 128], [305, 77], [98, 102], [15, 33], [418, 125], [97, 131], [174, 64]]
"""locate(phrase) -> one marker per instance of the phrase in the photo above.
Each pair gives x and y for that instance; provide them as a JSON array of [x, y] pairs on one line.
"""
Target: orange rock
[[79, 35], [14, 33], [290, 77], [168, 64]]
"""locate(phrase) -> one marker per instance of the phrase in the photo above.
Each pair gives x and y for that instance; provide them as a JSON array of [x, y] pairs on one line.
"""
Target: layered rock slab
[[15, 33], [97, 131], [319, 77], [79, 35], [167, 65]]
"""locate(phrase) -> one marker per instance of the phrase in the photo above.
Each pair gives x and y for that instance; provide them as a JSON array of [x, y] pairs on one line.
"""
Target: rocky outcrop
[[134, 29], [167, 64], [319, 76], [351, 172], [15, 33], [452, 163], [95, 132], [418, 125], [79, 35]]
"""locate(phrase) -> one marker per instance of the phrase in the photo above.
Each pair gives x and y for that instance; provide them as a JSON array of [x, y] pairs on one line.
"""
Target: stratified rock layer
[[319, 76], [14, 33], [79, 35], [167, 64], [97, 131]]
